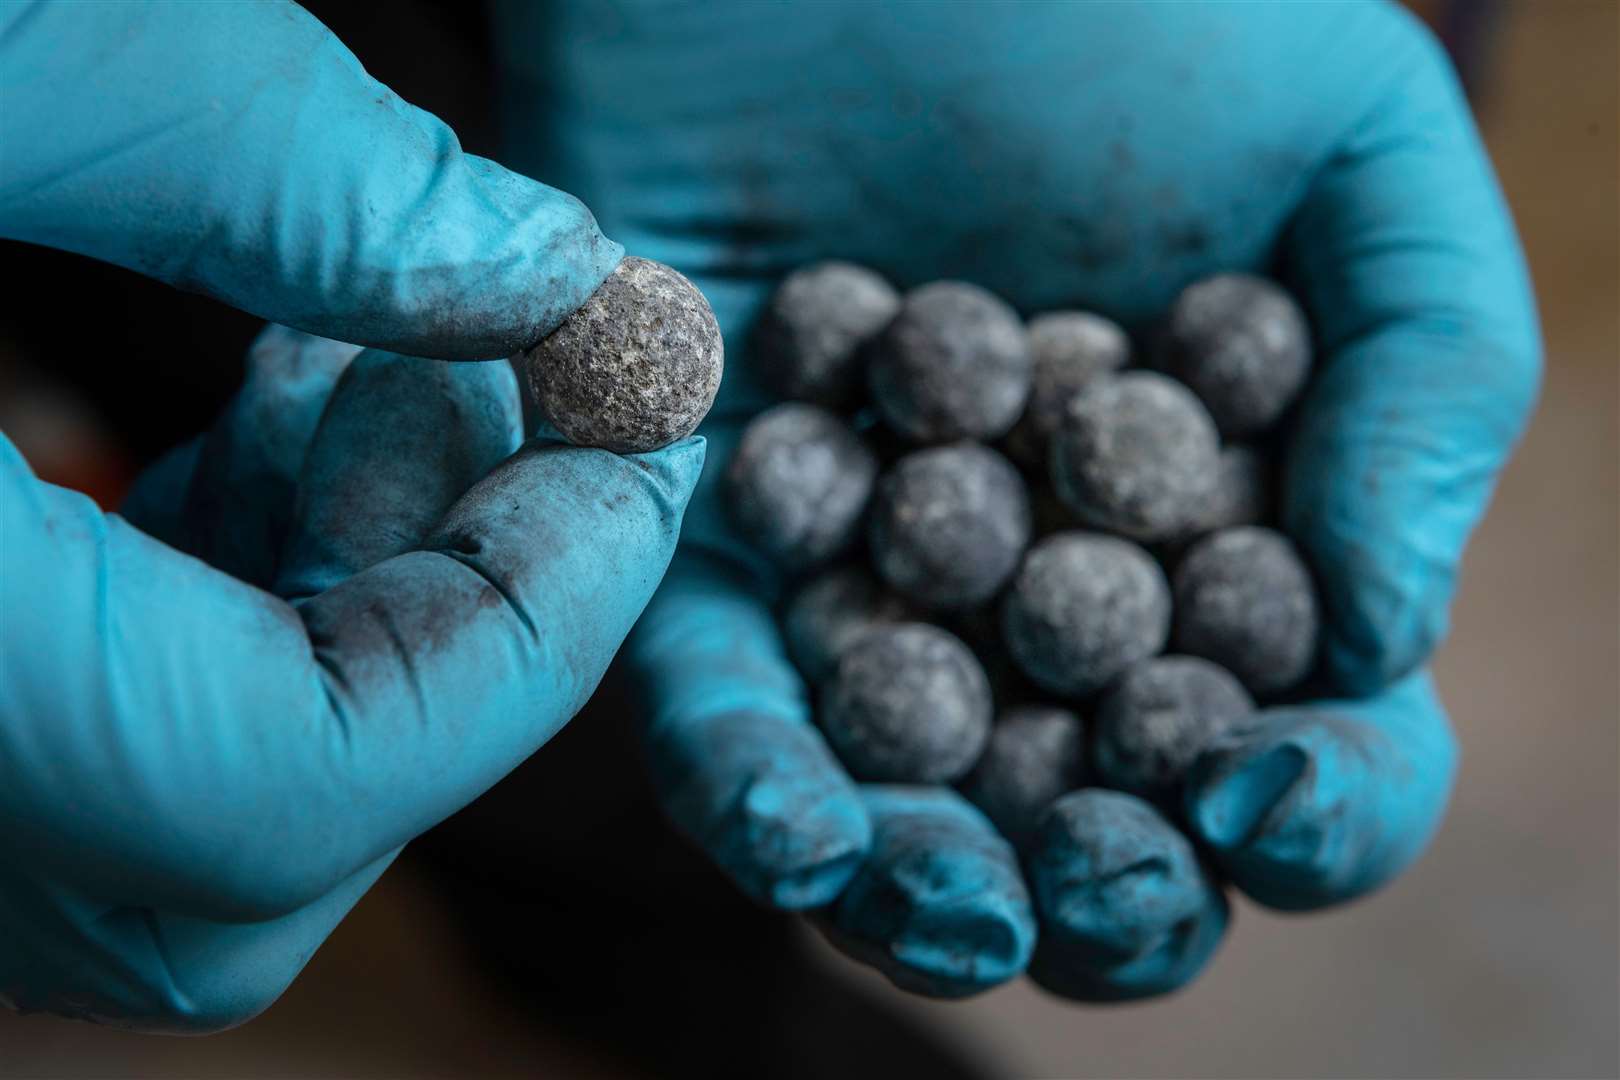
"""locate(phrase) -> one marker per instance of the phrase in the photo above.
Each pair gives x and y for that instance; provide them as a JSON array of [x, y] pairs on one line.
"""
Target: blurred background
[[496, 948]]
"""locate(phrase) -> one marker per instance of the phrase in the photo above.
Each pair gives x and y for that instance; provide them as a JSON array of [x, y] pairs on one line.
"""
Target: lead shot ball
[[1245, 600], [1083, 608], [1070, 349], [1035, 754], [1136, 455], [1243, 346], [1158, 717], [907, 704], [810, 335], [799, 482], [635, 368], [954, 364], [949, 524]]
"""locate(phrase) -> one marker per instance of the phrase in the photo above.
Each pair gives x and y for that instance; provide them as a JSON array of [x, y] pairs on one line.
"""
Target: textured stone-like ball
[[1243, 346], [1083, 608], [1070, 348], [831, 610], [949, 524], [799, 482], [635, 368], [1136, 455], [810, 336], [954, 364], [907, 704], [1244, 599], [1035, 754], [1158, 717]]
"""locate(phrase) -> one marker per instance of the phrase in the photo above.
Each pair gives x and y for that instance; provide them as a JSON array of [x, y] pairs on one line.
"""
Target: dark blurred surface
[[556, 927]]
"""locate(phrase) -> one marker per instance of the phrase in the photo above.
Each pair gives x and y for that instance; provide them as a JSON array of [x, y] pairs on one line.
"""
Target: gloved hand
[[204, 762], [1100, 156]]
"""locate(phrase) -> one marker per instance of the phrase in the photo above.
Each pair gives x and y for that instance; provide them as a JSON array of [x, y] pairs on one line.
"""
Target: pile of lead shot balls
[[1025, 564]]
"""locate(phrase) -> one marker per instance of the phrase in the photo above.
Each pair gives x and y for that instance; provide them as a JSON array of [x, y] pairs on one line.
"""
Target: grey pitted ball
[[811, 333], [635, 368], [1083, 608], [1244, 347], [1158, 717], [949, 524], [954, 364], [831, 610], [907, 704], [1245, 600], [1035, 754], [1136, 455], [1071, 348], [799, 482]]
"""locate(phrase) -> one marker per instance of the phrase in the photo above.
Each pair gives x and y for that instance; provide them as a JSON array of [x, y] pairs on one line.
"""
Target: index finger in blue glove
[[1411, 270], [230, 757], [240, 150], [1315, 804], [1127, 910]]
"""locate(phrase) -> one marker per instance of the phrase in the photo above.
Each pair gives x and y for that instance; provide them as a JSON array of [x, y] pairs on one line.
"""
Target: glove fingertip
[[795, 832], [1326, 802], [939, 907]]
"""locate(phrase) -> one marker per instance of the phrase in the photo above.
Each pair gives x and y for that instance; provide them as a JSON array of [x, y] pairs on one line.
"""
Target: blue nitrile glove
[[204, 762], [1099, 156]]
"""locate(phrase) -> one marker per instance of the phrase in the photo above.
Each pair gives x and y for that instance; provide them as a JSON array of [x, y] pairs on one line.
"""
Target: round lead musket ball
[[949, 524], [955, 363], [1244, 347], [1071, 348], [1083, 608], [1245, 600], [1156, 719], [1136, 455], [907, 704], [798, 483], [635, 368], [810, 336], [1035, 754]]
